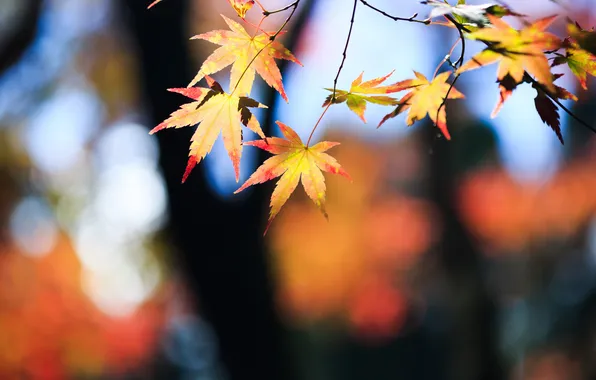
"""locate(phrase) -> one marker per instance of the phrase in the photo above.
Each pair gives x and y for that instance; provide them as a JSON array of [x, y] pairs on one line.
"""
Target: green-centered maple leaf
[[216, 111], [516, 51], [240, 49], [294, 162], [467, 14], [426, 97], [361, 93], [581, 62]]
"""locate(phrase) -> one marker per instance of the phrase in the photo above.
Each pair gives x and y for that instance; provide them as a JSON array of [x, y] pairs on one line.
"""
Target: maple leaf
[[216, 111], [365, 92], [580, 61], [241, 6], [294, 161], [466, 14], [547, 109], [517, 51], [239, 49], [426, 98]]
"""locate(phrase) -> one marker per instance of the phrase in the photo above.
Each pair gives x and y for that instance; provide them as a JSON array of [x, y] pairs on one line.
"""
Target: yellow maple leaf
[[216, 111], [362, 93], [516, 51], [241, 6], [426, 97], [239, 49], [294, 161]]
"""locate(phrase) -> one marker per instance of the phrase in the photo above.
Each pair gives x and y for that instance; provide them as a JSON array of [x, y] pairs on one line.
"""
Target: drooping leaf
[[216, 111], [239, 49], [465, 14], [362, 93], [581, 62], [516, 51], [548, 110], [241, 6], [294, 162], [424, 98]]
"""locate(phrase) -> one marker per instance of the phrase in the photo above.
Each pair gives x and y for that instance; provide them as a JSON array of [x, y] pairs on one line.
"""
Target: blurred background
[[469, 259]]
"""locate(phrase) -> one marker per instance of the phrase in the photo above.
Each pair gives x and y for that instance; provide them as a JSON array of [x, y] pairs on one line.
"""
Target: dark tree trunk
[[219, 242]]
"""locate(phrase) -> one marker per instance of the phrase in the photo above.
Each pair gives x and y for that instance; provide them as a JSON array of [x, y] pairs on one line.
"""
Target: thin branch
[[395, 18], [344, 54], [294, 4]]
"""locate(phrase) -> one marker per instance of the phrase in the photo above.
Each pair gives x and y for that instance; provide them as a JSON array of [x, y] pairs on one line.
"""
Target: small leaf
[[241, 6], [426, 98], [362, 93], [294, 162]]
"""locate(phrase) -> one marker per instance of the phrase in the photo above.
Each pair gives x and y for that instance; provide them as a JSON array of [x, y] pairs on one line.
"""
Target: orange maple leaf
[[246, 54], [362, 93], [294, 161], [216, 111], [425, 98], [517, 51]]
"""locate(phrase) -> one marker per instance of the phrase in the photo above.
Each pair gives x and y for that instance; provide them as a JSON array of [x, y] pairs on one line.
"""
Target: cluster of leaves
[[525, 55]]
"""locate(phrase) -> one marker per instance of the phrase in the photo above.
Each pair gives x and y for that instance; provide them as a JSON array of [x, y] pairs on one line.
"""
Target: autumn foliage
[[524, 56]]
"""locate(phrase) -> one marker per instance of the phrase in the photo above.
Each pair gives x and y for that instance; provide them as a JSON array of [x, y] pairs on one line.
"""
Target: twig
[[395, 18], [294, 4], [344, 54]]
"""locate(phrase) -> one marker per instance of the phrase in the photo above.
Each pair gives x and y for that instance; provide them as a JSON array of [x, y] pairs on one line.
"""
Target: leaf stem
[[317, 124]]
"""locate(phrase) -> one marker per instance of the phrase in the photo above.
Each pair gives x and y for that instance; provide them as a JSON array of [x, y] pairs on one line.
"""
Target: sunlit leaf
[[239, 49], [241, 6], [294, 161], [581, 62], [216, 111], [424, 98], [516, 51], [362, 93]]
